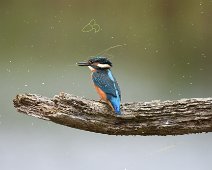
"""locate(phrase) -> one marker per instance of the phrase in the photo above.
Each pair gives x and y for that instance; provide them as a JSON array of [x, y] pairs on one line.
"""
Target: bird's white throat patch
[[91, 68]]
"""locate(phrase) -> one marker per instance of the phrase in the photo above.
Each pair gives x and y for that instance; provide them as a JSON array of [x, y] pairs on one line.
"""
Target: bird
[[104, 81]]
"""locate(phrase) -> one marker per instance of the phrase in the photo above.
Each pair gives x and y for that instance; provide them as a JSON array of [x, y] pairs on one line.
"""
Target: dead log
[[185, 116]]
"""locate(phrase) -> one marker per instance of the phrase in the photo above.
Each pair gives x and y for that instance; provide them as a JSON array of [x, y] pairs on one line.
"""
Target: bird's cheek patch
[[103, 65]]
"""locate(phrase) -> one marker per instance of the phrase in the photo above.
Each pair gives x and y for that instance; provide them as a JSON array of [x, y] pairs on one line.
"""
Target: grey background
[[167, 56]]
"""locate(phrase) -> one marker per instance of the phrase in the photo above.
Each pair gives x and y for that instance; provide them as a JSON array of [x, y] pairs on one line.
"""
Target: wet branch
[[178, 117]]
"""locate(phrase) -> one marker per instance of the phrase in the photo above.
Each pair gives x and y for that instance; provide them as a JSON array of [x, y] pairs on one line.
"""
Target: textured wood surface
[[178, 117]]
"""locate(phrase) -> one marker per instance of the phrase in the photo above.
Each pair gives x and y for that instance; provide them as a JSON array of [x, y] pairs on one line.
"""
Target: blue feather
[[115, 101], [107, 83]]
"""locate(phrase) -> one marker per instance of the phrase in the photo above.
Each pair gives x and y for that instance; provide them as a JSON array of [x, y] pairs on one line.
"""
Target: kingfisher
[[104, 81]]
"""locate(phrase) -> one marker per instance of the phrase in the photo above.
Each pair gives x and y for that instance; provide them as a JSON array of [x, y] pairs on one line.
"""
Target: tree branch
[[178, 117]]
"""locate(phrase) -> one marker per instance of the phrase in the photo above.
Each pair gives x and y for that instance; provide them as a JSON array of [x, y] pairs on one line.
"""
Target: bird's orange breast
[[101, 93]]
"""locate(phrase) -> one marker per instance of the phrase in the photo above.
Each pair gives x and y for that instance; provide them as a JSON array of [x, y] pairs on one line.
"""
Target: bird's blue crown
[[101, 60]]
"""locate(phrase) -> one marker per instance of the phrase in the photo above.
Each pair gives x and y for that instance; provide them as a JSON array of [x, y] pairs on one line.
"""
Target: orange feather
[[103, 96], [101, 93]]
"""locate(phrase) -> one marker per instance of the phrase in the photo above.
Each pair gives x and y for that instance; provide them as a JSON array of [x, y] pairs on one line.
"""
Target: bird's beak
[[83, 64]]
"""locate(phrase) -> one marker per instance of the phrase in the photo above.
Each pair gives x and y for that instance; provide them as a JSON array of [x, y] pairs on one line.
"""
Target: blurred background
[[160, 49]]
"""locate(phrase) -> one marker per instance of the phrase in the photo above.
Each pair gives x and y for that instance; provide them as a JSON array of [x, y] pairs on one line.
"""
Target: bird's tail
[[117, 110], [114, 102], [116, 107]]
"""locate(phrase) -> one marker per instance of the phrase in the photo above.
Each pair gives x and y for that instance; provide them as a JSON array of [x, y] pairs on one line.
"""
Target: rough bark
[[178, 117]]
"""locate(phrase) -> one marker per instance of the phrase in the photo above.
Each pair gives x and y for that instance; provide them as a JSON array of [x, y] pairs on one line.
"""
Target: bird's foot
[[102, 101]]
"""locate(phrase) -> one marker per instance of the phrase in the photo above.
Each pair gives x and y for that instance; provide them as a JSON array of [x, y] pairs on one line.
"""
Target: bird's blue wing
[[105, 83], [118, 91], [118, 88]]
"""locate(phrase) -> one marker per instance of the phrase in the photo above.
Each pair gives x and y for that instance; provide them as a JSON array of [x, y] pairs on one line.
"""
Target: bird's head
[[97, 63]]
